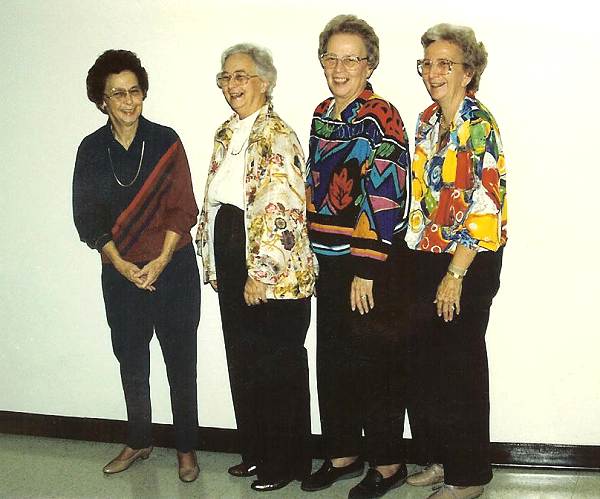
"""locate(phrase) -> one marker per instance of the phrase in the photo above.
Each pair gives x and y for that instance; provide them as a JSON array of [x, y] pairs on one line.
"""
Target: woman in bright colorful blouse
[[133, 203], [357, 209], [457, 225], [254, 245]]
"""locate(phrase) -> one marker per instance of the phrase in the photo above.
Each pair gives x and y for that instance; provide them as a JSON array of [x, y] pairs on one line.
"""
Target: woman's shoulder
[[385, 113], [95, 139], [224, 129], [323, 106], [475, 111], [276, 134], [426, 115], [276, 124], [156, 129]]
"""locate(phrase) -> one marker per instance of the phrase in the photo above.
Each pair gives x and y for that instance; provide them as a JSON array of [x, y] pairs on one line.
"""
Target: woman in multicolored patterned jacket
[[357, 209], [457, 226], [254, 245]]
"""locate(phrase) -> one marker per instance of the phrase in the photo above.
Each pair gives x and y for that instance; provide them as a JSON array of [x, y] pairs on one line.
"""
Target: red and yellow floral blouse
[[459, 185]]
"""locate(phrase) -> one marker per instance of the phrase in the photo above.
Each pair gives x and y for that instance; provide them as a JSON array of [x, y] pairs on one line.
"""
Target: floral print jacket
[[278, 251], [459, 189]]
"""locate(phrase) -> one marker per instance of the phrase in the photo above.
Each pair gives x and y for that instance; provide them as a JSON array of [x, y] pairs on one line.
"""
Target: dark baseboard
[[225, 440]]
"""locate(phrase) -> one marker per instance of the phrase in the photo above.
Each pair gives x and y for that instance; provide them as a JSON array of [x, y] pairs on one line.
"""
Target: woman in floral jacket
[[254, 245], [457, 227]]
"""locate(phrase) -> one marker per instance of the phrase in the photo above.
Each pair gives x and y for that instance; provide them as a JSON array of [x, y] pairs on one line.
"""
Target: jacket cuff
[[101, 242], [367, 268]]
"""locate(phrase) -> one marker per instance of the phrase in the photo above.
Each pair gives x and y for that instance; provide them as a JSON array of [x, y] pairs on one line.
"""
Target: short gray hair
[[347, 23], [474, 52], [262, 59]]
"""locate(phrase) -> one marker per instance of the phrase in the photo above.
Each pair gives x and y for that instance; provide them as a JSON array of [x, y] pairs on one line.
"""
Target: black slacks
[[173, 312], [449, 403], [267, 361], [362, 360]]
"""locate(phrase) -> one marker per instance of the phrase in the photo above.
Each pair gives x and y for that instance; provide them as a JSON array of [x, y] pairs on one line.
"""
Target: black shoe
[[374, 485], [328, 474], [242, 470], [266, 486]]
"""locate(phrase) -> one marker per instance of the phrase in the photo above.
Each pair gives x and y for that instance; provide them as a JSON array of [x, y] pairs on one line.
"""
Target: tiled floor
[[52, 468]]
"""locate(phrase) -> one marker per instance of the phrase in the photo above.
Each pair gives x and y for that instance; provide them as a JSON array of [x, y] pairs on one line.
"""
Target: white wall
[[541, 84]]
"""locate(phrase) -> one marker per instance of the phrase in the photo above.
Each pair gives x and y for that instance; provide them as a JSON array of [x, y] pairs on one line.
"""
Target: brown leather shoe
[[453, 492], [188, 466], [125, 459], [429, 476]]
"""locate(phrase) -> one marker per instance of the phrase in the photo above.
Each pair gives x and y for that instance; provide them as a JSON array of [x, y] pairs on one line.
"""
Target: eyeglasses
[[120, 94], [350, 62], [442, 66], [225, 79]]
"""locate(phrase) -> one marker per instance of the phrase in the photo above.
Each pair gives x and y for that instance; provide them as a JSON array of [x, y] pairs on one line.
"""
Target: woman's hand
[[361, 295], [447, 298], [448, 293], [214, 285], [129, 271], [255, 292], [151, 272], [154, 268]]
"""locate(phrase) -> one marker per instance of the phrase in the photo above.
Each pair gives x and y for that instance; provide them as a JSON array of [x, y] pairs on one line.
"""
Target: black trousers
[[449, 403], [173, 312], [267, 362], [362, 360]]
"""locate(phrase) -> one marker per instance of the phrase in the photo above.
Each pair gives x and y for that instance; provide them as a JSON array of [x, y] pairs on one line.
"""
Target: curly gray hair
[[262, 59], [347, 23], [474, 52]]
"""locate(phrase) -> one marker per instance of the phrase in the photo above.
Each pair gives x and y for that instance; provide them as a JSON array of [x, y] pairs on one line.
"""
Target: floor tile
[[53, 468]]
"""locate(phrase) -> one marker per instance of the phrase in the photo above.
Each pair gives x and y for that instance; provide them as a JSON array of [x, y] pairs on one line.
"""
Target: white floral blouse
[[277, 247]]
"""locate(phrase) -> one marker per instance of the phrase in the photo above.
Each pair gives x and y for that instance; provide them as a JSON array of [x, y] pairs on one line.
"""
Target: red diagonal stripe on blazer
[[136, 213], [144, 216]]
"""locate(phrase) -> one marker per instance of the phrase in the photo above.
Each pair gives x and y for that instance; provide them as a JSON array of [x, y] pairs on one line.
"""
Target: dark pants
[[361, 361], [267, 362], [449, 402], [173, 311]]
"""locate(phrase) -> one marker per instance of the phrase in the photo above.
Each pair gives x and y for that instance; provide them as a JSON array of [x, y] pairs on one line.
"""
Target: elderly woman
[[357, 207], [133, 202], [457, 227], [254, 245]]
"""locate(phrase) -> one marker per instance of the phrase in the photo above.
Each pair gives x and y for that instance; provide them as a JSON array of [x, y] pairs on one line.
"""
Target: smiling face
[[244, 98], [346, 85], [123, 112], [447, 90]]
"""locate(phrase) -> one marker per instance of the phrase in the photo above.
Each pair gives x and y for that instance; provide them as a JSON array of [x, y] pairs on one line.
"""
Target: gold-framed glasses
[[239, 78], [120, 94], [350, 62], [440, 66]]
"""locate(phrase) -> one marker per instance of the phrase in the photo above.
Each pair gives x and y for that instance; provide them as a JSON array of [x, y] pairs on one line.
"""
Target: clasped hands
[[145, 277]]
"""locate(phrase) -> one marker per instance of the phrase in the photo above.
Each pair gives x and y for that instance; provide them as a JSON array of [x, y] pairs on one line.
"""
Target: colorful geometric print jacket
[[278, 251], [459, 191], [359, 175]]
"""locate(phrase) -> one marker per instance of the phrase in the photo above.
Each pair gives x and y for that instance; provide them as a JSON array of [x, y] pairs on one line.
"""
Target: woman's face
[[449, 89], [346, 85], [243, 98], [123, 98]]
